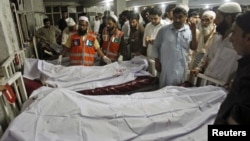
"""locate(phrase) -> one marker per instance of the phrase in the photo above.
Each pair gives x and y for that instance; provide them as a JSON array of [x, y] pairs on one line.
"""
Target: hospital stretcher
[[171, 113], [155, 94], [145, 82]]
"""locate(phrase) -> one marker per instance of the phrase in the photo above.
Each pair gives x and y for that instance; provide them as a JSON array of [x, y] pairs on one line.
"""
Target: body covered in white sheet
[[79, 78], [171, 113]]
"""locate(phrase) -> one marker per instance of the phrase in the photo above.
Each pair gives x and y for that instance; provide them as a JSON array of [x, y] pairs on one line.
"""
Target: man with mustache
[[83, 45], [207, 32], [221, 59], [171, 48], [113, 44]]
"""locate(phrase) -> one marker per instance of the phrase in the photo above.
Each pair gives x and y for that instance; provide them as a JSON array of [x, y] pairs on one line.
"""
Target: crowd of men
[[179, 44]]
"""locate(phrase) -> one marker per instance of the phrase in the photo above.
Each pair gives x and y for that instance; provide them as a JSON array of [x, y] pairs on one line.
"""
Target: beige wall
[[8, 34]]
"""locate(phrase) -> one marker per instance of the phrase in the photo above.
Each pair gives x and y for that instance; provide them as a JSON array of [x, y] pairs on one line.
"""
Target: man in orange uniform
[[83, 46], [113, 43]]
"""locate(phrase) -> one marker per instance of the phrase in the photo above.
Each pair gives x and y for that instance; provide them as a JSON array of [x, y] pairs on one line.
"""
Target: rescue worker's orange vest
[[82, 52], [111, 45]]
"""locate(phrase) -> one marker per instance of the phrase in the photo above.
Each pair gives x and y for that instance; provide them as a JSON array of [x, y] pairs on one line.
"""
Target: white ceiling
[[131, 3]]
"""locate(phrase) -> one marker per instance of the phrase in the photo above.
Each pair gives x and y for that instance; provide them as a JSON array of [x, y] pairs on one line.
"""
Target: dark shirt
[[62, 24], [136, 38], [237, 102], [102, 26]]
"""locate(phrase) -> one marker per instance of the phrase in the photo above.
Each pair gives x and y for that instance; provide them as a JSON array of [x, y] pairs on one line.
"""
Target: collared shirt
[[151, 31], [49, 34], [171, 46], [136, 38], [68, 43], [237, 102]]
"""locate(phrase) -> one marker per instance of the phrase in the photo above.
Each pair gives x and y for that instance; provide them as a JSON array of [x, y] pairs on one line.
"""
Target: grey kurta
[[171, 46]]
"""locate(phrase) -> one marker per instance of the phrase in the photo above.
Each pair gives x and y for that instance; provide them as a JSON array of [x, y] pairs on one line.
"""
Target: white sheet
[[79, 78], [172, 114]]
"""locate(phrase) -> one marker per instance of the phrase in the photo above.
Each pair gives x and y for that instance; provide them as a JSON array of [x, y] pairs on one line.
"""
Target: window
[[54, 13]]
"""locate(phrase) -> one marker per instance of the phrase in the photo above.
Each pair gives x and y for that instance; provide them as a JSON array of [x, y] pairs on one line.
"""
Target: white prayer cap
[[183, 6], [114, 17], [230, 7], [70, 22], [83, 18], [209, 13]]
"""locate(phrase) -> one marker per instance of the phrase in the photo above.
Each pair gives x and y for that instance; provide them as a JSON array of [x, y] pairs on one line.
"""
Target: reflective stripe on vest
[[111, 45], [82, 52]]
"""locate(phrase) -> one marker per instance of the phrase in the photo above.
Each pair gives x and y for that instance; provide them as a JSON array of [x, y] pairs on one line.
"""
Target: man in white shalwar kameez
[[171, 48], [222, 59], [150, 33], [205, 38]]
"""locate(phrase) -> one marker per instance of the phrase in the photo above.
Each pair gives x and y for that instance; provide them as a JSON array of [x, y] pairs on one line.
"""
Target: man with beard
[[136, 35], [171, 48], [235, 109], [205, 38], [83, 45], [221, 60], [113, 44]]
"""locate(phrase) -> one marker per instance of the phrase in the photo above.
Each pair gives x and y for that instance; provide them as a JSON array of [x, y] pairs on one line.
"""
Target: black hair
[[145, 10], [155, 11], [170, 7], [192, 13], [143, 13], [82, 14], [46, 20], [135, 16], [243, 20], [64, 11], [126, 13], [179, 10]]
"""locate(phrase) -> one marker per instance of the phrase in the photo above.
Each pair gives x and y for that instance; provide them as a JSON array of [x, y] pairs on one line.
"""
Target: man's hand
[[192, 25], [147, 40], [106, 60]]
